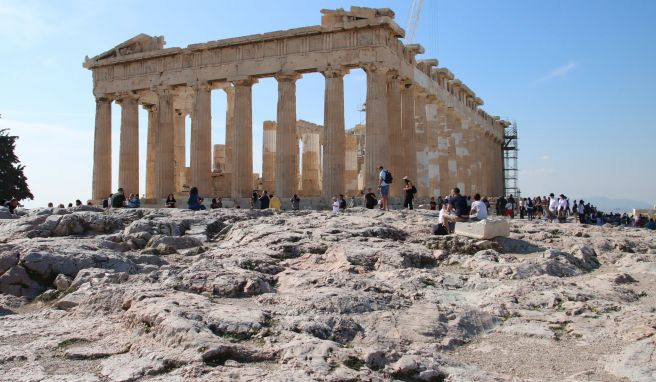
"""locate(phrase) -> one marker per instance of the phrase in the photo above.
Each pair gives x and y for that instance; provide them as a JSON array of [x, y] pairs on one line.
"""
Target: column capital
[[430, 98], [243, 81], [149, 107], [104, 98], [406, 83], [393, 74], [334, 71], [287, 76], [375, 68], [126, 97]]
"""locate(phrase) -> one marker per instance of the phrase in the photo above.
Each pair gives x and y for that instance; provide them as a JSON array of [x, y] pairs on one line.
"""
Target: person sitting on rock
[[215, 204], [342, 202], [170, 201], [133, 201], [478, 209], [12, 205], [457, 206], [370, 200], [118, 199], [50, 205], [195, 201], [78, 203], [275, 202], [432, 203]]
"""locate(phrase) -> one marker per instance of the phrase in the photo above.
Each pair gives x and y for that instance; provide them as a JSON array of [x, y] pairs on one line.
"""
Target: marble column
[[465, 158], [102, 150], [443, 142], [485, 164], [164, 165], [421, 139], [201, 140], [432, 147], [128, 165], [311, 165], [377, 130], [230, 127], [455, 164], [286, 140], [179, 149], [333, 170], [475, 154], [151, 149], [350, 164], [242, 143], [396, 165], [269, 156], [408, 131]]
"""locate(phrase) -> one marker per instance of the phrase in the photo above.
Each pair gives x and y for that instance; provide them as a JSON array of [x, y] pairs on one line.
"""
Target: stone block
[[484, 229]]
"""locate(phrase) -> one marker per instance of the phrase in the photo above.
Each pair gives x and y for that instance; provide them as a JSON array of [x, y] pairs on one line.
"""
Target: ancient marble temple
[[421, 121]]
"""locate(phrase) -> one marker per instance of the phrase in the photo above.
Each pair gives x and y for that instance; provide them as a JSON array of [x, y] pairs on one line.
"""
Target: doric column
[[465, 157], [485, 165], [377, 131], [475, 154], [311, 165], [164, 165], [230, 127], [179, 148], [396, 163], [333, 142], [201, 140], [421, 140], [102, 150], [350, 163], [151, 149], [286, 140], [408, 131], [242, 143], [269, 156], [432, 147], [443, 143], [128, 165], [455, 163]]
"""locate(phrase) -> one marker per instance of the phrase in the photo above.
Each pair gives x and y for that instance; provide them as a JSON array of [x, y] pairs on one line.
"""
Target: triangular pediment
[[137, 44]]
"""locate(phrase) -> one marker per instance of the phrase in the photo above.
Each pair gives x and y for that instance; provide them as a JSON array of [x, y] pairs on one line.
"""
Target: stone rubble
[[170, 294]]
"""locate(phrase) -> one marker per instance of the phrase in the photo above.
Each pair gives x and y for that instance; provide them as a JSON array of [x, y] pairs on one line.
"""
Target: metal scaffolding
[[510, 154]]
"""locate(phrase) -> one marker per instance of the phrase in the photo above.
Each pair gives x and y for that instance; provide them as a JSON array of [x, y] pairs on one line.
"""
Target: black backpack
[[342, 204], [388, 177], [414, 190]]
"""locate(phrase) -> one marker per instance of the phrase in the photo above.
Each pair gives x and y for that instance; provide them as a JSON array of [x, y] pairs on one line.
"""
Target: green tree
[[13, 183]]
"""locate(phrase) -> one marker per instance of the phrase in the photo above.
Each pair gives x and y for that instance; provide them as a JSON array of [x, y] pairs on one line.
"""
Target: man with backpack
[[410, 190], [385, 179]]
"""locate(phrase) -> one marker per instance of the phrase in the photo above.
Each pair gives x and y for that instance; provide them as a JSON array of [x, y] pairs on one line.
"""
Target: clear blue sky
[[577, 76]]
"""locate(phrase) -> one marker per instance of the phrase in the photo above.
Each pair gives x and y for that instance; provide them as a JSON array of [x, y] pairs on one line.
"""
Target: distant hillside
[[616, 205]]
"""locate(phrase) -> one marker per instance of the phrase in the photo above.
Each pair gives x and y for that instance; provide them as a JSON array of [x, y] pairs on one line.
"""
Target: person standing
[[264, 200], [275, 202], [254, 199], [170, 201], [553, 208], [296, 202], [529, 208], [384, 181], [581, 212], [409, 190]]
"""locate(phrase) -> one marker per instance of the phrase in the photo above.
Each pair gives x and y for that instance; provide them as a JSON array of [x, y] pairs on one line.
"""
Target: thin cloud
[[558, 72], [545, 157]]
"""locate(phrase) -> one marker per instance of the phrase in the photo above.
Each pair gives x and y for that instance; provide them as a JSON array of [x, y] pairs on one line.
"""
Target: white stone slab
[[484, 229]]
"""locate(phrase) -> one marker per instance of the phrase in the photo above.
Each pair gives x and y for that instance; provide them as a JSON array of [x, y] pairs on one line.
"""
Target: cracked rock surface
[[238, 295]]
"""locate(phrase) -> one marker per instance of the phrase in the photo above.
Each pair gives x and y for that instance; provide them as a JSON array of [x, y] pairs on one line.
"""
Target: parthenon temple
[[421, 121]]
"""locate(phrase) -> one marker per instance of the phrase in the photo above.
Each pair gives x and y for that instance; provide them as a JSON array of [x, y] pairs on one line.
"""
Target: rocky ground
[[223, 295]]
